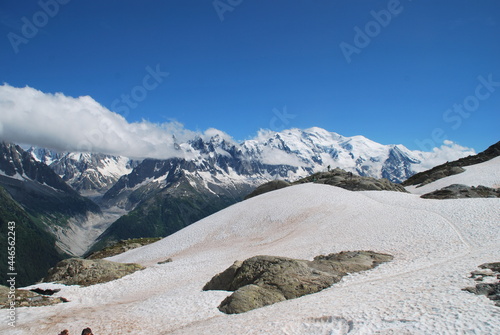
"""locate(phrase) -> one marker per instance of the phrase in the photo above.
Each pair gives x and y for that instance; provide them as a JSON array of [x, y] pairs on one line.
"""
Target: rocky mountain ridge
[[35, 186], [90, 174]]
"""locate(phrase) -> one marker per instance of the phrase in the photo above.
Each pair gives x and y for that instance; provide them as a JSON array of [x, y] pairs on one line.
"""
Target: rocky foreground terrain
[[488, 282], [264, 280]]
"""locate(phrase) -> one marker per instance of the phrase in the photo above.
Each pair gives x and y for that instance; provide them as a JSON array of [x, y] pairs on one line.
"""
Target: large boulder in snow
[[85, 272], [264, 280], [250, 297], [458, 191]]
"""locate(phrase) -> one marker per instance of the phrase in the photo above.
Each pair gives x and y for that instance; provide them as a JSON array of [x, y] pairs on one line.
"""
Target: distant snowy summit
[[315, 149]]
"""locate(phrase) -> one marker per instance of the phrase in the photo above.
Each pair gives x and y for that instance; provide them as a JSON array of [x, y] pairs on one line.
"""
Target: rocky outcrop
[[85, 272], [24, 298], [264, 280], [452, 168], [492, 289], [349, 181], [122, 246], [458, 191]]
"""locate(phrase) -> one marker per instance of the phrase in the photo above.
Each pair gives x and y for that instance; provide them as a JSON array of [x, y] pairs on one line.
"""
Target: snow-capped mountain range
[[295, 153], [289, 155]]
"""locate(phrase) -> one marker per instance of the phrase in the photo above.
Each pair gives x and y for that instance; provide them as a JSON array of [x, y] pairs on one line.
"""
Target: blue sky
[[240, 66]]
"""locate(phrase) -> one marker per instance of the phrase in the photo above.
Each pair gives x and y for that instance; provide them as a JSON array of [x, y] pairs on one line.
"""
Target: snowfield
[[435, 244]]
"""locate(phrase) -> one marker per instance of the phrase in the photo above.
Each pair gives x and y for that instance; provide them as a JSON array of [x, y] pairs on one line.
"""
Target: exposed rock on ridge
[[121, 247], [352, 182], [336, 177], [75, 271]]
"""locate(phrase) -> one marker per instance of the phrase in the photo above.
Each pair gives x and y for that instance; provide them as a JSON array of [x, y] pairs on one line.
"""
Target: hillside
[[36, 249], [435, 244], [453, 167]]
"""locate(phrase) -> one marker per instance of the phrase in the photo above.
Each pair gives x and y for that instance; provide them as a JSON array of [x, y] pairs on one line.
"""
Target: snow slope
[[486, 174], [436, 243]]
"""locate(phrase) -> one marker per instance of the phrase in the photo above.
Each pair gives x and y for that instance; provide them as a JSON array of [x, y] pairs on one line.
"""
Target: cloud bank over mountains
[[56, 121]]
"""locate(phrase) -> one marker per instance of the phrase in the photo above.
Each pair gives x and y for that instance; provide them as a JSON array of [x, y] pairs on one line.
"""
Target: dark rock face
[[264, 280], [451, 168], [75, 271], [457, 191], [490, 290], [268, 187]]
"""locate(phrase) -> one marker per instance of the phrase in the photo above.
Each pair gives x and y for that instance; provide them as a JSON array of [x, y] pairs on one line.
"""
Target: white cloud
[[63, 123], [449, 151]]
